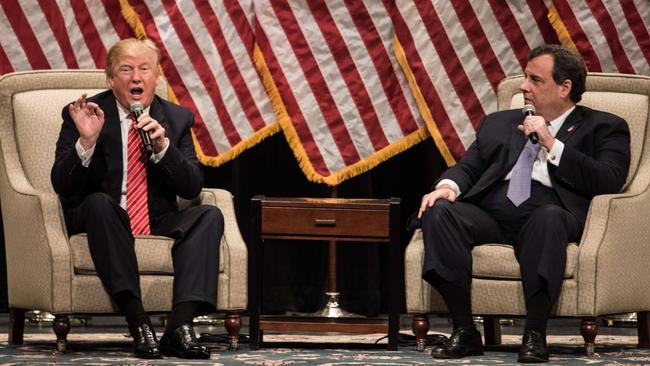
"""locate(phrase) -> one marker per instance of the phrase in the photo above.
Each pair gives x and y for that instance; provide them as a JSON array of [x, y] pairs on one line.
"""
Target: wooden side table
[[353, 220]]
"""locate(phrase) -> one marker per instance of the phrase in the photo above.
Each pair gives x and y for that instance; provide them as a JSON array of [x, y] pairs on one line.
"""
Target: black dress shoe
[[533, 348], [462, 342], [145, 344], [183, 343]]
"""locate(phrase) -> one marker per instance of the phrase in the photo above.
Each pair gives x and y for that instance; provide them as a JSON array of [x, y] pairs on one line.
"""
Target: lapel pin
[[570, 129]]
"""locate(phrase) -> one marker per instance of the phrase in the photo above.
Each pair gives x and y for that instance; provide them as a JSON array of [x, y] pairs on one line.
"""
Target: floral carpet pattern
[[114, 349]]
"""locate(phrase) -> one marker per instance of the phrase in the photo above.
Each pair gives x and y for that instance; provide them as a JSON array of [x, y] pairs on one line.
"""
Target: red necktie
[[136, 184]]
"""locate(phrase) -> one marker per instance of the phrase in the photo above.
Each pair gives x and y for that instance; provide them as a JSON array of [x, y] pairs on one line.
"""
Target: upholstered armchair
[[50, 272], [607, 273]]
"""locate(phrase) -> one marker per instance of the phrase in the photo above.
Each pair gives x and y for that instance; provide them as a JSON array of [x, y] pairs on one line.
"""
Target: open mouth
[[136, 92]]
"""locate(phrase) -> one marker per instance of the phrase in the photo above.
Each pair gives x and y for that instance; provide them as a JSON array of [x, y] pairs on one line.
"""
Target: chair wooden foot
[[16, 326], [233, 326], [420, 327], [643, 328], [589, 330], [491, 331], [61, 326]]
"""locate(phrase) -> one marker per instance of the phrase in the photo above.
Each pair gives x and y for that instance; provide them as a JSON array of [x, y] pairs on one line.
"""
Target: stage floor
[[104, 340]]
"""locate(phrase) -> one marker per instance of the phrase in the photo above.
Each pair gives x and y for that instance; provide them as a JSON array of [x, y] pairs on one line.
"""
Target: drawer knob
[[325, 222]]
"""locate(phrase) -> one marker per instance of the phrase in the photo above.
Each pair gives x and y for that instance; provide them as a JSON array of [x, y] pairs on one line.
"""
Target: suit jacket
[[595, 160], [176, 174]]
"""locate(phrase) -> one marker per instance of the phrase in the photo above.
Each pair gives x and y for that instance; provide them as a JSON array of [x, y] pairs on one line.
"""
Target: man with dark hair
[[534, 196], [113, 189]]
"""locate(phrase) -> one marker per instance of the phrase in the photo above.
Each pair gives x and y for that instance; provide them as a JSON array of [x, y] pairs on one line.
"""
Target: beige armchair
[[607, 273], [48, 271]]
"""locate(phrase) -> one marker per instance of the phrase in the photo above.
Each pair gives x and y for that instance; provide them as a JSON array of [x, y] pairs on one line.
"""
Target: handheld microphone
[[136, 109], [529, 110]]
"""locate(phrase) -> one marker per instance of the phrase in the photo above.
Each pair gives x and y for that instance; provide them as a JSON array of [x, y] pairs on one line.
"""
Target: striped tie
[[136, 185]]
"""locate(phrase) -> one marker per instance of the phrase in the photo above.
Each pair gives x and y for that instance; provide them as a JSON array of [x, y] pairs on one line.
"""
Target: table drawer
[[320, 221]]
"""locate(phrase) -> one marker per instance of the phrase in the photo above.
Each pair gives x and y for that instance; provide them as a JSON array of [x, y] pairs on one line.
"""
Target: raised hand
[[88, 118]]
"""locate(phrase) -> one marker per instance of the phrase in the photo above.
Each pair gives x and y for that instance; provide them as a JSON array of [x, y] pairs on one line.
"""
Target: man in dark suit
[[112, 189], [534, 196]]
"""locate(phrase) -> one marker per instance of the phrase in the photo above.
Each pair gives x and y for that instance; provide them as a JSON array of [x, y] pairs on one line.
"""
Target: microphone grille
[[136, 107], [528, 109]]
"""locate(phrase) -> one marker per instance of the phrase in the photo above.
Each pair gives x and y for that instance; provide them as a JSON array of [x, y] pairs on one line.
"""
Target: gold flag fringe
[[299, 151], [560, 29]]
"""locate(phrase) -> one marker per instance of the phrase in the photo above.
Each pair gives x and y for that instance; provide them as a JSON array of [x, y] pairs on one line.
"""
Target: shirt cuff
[[450, 183], [84, 155], [555, 155], [156, 157]]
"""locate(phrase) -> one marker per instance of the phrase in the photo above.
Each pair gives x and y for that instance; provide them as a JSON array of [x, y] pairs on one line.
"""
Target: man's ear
[[565, 88], [109, 82]]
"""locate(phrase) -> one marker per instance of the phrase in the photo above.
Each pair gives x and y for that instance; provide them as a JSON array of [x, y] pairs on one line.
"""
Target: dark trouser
[[539, 229], [197, 232]]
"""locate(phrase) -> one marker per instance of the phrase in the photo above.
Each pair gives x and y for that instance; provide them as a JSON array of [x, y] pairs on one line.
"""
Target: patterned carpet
[[114, 349]]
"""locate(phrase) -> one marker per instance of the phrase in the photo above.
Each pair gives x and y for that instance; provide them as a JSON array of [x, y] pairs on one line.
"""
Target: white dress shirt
[[540, 169], [125, 123]]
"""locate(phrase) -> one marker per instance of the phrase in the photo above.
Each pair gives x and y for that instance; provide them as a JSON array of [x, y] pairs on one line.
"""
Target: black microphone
[[529, 110], [136, 109]]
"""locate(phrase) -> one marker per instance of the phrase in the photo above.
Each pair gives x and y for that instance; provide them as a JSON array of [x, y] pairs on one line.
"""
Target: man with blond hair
[[118, 175]]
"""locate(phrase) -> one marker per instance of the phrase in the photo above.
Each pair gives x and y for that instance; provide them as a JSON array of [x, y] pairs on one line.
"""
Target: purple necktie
[[519, 186]]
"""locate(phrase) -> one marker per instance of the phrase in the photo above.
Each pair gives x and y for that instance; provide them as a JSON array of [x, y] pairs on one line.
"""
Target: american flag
[[349, 82], [345, 104], [458, 51]]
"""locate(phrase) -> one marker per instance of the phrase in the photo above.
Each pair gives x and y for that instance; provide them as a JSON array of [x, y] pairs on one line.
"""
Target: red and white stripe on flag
[[612, 36], [207, 50], [58, 35], [341, 99], [457, 52]]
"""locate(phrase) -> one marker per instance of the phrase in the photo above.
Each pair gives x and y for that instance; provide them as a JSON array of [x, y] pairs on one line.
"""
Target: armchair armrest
[[233, 294], [613, 261], [39, 262]]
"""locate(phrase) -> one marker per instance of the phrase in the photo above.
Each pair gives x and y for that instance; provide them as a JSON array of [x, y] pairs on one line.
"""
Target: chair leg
[[491, 331], [643, 328], [420, 326], [589, 330], [16, 326], [233, 326], [61, 326]]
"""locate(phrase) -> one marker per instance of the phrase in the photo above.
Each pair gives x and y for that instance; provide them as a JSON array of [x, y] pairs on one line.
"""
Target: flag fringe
[[298, 150], [235, 151], [560, 29], [282, 116], [377, 158], [425, 112]]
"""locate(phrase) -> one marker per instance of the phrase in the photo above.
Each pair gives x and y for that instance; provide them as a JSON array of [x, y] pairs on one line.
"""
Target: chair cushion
[[151, 259], [498, 261]]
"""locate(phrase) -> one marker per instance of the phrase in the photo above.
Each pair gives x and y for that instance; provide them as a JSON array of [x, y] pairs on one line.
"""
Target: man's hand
[[155, 130], [89, 119], [538, 125], [444, 192]]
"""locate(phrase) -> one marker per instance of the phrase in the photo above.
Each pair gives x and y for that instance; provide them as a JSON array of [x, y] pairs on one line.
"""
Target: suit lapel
[[517, 142], [570, 125], [112, 137], [156, 112], [111, 142]]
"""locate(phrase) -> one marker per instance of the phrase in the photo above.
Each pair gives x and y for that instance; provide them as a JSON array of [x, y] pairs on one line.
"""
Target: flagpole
[[332, 309]]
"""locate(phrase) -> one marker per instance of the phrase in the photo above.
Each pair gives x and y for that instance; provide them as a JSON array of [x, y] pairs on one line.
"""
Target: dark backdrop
[[295, 273], [295, 276]]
